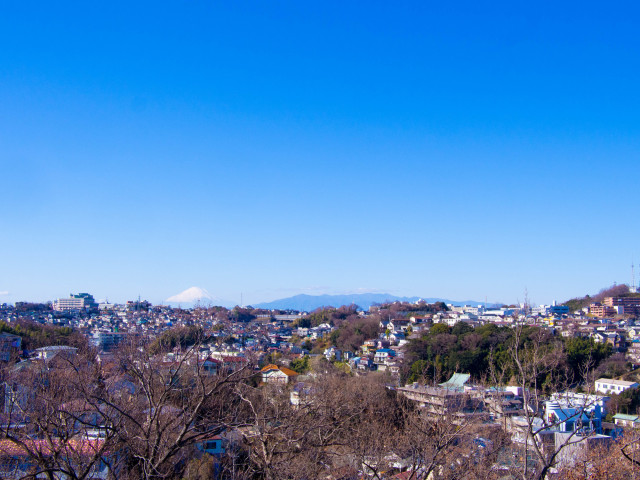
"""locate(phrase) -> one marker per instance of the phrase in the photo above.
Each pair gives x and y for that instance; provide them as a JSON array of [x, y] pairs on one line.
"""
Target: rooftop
[[631, 418], [456, 381], [622, 383]]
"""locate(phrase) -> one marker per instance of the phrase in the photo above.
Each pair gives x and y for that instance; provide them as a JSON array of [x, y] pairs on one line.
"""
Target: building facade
[[78, 301], [608, 386], [630, 305]]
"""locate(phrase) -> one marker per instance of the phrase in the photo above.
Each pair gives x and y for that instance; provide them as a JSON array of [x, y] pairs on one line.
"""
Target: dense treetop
[[35, 335], [444, 350]]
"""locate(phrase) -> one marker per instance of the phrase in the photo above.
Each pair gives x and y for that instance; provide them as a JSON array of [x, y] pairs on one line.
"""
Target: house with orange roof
[[276, 374]]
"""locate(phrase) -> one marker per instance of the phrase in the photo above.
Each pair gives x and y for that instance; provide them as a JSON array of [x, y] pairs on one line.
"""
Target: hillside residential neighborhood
[[288, 350]]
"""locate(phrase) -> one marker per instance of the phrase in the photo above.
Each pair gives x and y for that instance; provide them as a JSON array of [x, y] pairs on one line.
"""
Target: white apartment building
[[609, 386], [75, 302], [65, 304]]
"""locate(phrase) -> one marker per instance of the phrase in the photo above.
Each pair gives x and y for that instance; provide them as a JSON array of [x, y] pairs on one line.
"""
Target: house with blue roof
[[383, 355]]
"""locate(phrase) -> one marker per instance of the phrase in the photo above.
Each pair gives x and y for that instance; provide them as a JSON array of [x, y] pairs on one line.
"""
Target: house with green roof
[[624, 420]]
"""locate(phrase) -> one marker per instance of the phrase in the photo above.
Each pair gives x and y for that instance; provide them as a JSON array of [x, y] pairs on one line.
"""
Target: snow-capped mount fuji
[[194, 295]]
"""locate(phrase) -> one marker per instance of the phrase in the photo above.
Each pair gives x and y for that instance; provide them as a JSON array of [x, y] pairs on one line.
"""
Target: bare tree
[[611, 461], [368, 436], [175, 403], [52, 425], [305, 439], [140, 417], [536, 365], [446, 444]]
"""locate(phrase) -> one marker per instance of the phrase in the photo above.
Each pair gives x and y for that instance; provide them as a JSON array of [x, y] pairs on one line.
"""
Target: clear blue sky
[[454, 149]]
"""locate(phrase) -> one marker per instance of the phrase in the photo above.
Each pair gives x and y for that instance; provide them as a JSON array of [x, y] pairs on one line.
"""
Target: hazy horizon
[[247, 301]]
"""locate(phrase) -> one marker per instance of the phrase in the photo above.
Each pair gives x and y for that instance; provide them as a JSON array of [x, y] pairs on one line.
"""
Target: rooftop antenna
[[633, 288]]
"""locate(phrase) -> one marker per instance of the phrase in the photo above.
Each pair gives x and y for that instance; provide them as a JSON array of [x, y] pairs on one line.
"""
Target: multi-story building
[[79, 301], [450, 398], [608, 386], [582, 400], [439, 401], [558, 310], [107, 341], [601, 311], [569, 417], [630, 305], [66, 304]]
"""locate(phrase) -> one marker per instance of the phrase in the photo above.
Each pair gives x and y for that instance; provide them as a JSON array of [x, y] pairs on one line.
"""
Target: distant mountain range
[[305, 303], [363, 300]]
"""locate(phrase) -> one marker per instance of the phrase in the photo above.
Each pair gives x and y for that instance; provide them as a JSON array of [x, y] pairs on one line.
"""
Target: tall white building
[[64, 304], [74, 302]]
